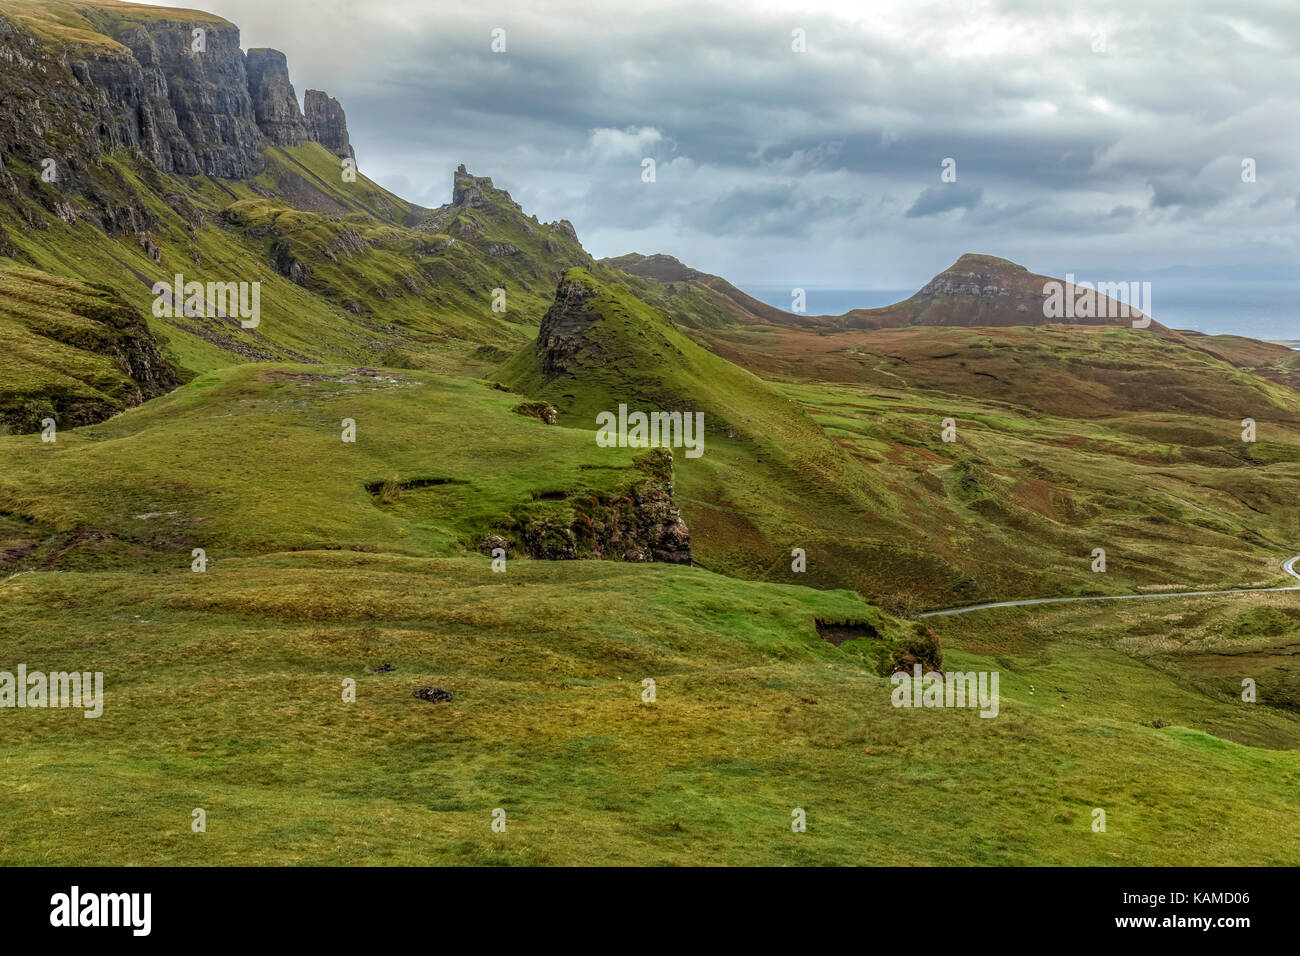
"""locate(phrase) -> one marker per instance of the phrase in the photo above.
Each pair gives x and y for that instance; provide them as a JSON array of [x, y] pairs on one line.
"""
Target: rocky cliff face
[[274, 102], [138, 82], [190, 111], [327, 124], [562, 333]]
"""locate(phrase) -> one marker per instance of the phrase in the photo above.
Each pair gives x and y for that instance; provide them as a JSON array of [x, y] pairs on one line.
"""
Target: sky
[[1093, 138]]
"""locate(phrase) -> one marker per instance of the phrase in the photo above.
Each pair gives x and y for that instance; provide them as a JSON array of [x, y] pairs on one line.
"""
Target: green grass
[[80, 24], [68, 351], [857, 473], [252, 459], [224, 688], [224, 692]]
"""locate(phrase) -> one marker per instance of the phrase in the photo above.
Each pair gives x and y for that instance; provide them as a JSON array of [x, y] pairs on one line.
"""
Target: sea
[[1255, 308]]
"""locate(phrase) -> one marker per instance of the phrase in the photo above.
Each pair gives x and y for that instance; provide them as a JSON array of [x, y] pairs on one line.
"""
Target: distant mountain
[[980, 290]]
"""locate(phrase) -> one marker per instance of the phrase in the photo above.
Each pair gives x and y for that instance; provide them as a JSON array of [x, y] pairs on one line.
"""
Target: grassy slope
[[1209, 644], [251, 459], [1016, 505], [768, 471], [376, 290], [220, 684], [72, 22], [224, 693], [294, 323], [61, 343]]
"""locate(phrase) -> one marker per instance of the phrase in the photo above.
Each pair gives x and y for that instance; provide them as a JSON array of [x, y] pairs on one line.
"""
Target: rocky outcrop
[[638, 523], [345, 244], [327, 124], [287, 264], [136, 351], [544, 412], [975, 284], [652, 528], [471, 191], [562, 333], [477, 192], [434, 695], [562, 227], [274, 102], [468, 229]]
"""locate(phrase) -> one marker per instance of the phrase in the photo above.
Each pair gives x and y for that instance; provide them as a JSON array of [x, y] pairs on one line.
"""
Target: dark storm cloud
[[769, 210], [1185, 193], [1107, 131], [936, 199]]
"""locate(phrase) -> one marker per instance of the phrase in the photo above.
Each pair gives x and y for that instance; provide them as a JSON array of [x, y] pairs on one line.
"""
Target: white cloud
[[634, 141]]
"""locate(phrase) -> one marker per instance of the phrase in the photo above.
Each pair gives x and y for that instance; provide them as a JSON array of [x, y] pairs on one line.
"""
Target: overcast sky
[[1087, 136]]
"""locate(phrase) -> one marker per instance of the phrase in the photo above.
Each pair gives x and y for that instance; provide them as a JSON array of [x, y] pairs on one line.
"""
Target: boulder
[[434, 695]]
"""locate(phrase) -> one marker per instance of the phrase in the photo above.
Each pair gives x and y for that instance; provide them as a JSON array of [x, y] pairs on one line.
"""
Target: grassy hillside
[[1068, 439], [695, 298], [71, 352], [1206, 644], [81, 24], [252, 459], [342, 279], [332, 560]]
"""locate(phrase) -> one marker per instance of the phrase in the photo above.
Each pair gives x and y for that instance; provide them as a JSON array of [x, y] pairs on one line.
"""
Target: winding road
[[1289, 566]]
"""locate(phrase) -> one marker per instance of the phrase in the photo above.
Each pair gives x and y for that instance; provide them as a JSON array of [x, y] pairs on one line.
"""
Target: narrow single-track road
[[1289, 566]]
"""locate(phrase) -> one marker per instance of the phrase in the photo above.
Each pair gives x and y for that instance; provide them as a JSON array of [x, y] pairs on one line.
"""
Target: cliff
[[172, 84], [275, 104], [327, 124]]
